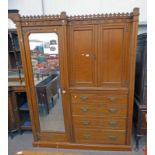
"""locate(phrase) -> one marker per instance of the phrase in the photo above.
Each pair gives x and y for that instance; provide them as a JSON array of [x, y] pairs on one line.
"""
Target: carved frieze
[[63, 19]]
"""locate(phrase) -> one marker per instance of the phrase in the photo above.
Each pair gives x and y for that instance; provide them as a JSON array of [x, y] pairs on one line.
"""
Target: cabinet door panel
[[82, 56], [113, 56]]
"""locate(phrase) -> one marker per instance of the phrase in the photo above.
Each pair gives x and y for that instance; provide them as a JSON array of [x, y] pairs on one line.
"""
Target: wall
[[74, 7]]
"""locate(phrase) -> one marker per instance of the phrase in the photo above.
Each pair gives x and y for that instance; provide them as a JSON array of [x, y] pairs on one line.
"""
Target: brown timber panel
[[99, 122], [82, 55], [113, 59], [100, 136], [99, 98], [99, 109]]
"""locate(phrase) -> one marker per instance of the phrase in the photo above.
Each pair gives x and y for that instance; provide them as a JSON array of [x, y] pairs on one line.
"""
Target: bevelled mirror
[[44, 51]]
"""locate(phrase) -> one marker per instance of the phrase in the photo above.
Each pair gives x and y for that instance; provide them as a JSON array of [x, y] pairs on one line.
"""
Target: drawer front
[[98, 98], [99, 109], [99, 122], [100, 136]]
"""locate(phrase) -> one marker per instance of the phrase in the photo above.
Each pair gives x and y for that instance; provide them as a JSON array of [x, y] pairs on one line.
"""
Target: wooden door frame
[[70, 34], [125, 48], [48, 25]]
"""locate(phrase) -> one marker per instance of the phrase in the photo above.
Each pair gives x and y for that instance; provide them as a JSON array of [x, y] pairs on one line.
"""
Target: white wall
[[26, 7], [74, 7]]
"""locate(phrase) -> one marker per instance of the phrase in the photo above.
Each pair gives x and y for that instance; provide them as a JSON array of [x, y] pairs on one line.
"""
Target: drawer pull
[[112, 98], [87, 136], [113, 110], [83, 97], [85, 122], [112, 123], [113, 138], [84, 109]]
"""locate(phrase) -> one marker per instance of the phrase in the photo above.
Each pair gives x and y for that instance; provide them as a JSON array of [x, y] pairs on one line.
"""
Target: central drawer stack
[[99, 118]]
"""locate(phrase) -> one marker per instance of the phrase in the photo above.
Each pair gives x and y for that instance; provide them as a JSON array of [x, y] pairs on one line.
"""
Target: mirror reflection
[[45, 64]]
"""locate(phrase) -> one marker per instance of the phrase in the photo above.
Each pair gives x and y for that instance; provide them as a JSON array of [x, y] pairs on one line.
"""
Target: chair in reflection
[[46, 90]]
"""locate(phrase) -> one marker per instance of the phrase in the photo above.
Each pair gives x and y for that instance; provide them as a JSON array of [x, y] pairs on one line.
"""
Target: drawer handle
[[112, 98], [84, 109], [113, 110], [87, 136], [113, 138], [83, 97], [112, 123], [85, 122]]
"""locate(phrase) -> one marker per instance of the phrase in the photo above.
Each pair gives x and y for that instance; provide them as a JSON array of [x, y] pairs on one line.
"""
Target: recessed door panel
[[113, 59], [82, 56]]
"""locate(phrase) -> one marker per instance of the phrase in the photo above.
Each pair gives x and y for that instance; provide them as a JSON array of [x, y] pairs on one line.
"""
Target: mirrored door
[[44, 51]]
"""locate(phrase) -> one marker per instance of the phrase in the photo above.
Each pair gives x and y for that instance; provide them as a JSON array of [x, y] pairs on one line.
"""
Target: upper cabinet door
[[113, 55], [82, 55]]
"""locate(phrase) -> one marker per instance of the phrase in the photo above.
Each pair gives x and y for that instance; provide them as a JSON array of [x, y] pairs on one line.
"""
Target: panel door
[[113, 55], [82, 55], [46, 77]]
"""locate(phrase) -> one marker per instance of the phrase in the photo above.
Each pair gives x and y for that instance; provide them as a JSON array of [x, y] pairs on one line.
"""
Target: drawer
[[99, 109], [98, 98], [100, 136], [99, 122]]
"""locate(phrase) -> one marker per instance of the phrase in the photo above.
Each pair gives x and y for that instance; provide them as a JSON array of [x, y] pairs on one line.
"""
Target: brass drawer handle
[[85, 122], [112, 98], [84, 109], [83, 97], [87, 136], [113, 110], [113, 138], [112, 123]]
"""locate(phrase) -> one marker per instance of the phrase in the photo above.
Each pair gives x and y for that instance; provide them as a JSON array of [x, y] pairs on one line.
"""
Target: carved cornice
[[78, 17], [105, 21], [43, 23], [44, 17], [15, 17], [36, 18], [62, 19], [100, 16]]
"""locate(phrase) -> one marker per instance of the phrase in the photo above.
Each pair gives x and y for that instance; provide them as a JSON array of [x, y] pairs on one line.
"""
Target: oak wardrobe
[[79, 73]]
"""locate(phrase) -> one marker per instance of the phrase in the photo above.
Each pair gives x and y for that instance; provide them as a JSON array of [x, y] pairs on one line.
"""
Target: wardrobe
[[140, 97], [85, 67]]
